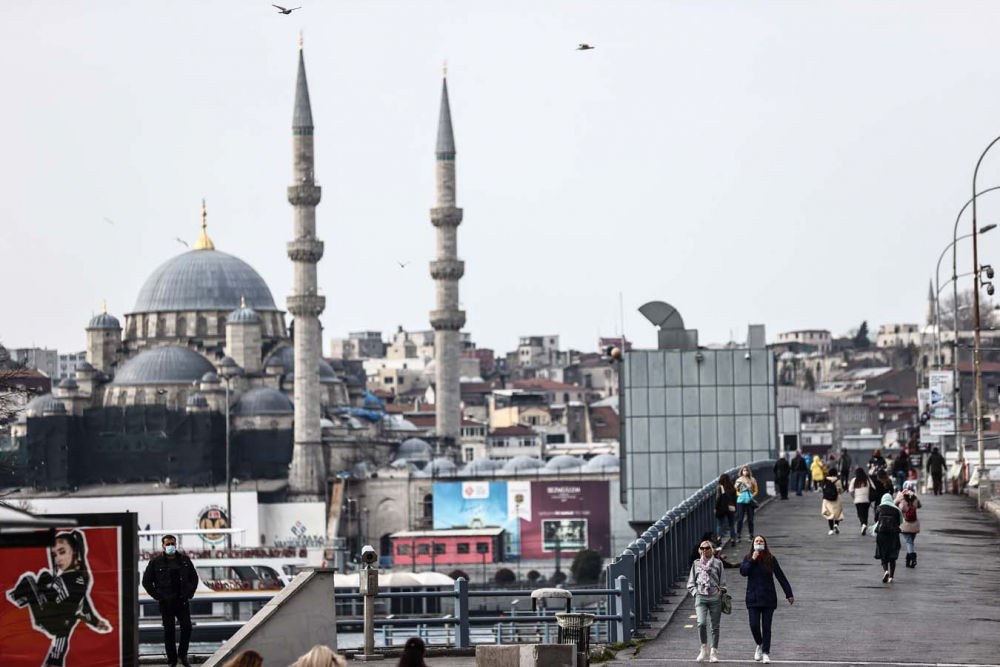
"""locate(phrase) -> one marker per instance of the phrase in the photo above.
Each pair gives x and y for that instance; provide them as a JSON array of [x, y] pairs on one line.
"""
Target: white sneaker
[[766, 658], [830, 532], [885, 577], [703, 654], [836, 529], [890, 580], [758, 653], [864, 527], [714, 656]]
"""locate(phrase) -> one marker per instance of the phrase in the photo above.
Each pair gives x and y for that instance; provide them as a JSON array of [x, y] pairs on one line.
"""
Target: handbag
[[745, 498], [727, 603]]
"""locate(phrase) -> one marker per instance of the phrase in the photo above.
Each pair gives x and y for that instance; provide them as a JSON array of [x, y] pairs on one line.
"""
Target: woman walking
[[818, 470], [908, 502], [725, 508], [860, 488], [760, 567], [707, 584], [746, 490], [881, 485], [887, 521], [833, 508]]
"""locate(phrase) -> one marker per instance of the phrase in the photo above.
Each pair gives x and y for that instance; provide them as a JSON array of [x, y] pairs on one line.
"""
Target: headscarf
[[887, 502], [705, 572]]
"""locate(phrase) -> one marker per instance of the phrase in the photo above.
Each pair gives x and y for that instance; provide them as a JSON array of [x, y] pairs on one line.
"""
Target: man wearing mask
[[171, 580]]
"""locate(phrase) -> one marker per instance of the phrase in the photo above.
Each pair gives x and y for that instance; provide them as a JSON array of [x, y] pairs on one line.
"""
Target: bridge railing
[[646, 572]]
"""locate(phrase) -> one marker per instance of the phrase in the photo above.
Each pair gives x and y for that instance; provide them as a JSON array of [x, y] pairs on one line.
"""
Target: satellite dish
[[662, 315]]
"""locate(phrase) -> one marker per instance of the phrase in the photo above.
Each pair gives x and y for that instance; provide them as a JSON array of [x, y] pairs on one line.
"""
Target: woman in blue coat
[[760, 568]]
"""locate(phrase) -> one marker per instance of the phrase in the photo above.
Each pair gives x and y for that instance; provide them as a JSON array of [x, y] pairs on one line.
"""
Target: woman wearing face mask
[[746, 489], [760, 567], [707, 583]]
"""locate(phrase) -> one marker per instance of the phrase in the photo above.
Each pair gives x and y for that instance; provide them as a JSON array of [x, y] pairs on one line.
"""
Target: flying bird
[[180, 240], [282, 10], [402, 265], [585, 47], [109, 220]]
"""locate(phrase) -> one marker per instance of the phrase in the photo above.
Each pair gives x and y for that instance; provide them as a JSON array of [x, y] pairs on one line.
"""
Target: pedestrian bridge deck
[[946, 611]]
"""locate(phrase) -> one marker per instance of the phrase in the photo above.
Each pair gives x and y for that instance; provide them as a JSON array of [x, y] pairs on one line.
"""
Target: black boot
[[914, 561]]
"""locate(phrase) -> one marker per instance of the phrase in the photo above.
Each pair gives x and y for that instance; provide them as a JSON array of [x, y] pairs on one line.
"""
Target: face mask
[[171, 549], [758, 547]]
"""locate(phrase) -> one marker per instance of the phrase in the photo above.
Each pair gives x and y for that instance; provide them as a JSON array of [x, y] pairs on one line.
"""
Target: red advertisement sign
[[568, 516], [64, 605]]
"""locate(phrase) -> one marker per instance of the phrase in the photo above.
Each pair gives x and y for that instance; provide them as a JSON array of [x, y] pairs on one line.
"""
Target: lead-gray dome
[[285, 355], [104, 321], [170, 364], [197, 401], [262, 401], [243, 315], [414, 449], [603, 462], [43, 405], [68, 383], [211, 377], [203, 280], [563, 462], [519, 463], [481, 466]]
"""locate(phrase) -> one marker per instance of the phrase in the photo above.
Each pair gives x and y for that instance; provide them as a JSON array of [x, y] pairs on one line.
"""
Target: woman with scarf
[[707, 583], [908, 503], [888, 519], [746, 490], [760, 567]]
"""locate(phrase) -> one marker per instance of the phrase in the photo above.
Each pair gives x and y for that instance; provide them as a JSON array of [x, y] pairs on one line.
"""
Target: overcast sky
[[798, 164]]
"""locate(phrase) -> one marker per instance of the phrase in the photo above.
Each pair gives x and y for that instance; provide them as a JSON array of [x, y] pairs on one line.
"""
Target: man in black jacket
[[799, 470], [170, 579], [935, 466], [781, 472]]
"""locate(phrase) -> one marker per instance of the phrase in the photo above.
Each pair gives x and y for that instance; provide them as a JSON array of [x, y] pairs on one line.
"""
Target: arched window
[[131, 328], [140, 397], [182, 326], [150, 327], [201, 327], [221, 323], [122, 398], [180, 399], [161, 327], [428, 506]]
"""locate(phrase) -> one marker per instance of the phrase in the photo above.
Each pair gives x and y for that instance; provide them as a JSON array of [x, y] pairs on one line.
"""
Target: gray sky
[[794, 163]]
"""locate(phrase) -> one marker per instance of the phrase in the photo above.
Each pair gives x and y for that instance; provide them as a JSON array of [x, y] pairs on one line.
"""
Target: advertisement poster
[[568, 516], [65, 605], [477, 505]]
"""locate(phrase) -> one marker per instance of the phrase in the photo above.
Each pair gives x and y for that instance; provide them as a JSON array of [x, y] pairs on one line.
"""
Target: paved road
[[947, 611]]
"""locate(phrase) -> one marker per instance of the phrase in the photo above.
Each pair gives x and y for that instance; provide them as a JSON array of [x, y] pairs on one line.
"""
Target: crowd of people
[[890, 488]]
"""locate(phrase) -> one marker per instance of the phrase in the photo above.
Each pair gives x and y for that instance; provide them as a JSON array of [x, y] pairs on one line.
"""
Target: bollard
[[369, 588], [462, 612], [623, 610]]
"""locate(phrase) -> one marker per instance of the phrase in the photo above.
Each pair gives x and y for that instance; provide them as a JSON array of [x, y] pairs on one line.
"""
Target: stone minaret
[[307, 478], [931, 303], [446, 319]]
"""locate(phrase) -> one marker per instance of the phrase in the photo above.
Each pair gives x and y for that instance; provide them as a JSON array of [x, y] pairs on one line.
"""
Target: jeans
[[181, 610], [719, 527], [744, 509], [909, 538], [798, 480], [709, 606], [862, 509], [760, 626], [900, 478]]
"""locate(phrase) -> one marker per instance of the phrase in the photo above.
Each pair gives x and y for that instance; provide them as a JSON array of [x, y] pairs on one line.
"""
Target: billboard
[[538, 518], [74, 603]]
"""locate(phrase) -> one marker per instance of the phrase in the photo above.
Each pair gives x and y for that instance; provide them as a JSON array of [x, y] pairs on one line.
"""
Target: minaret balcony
[[447, 269], [305, 250], [447, 320], [306, 305], [305, 194], [446, 216]]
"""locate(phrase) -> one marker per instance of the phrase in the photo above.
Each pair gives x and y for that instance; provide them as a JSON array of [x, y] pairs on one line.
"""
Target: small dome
[[519, 463], [46, 404], [197, 401], [325, 423], [262, 401], [602, 462], [170, 364], [481, 466], [211, 377], [104, 321], [84, 367], [243, 315], [441, 466], [285, 356], [68, 383], [227, 362], [563, 462], [414, 449]]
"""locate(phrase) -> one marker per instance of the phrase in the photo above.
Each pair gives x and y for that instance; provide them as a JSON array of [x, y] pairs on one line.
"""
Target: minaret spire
[[446, 319], [307, 477]]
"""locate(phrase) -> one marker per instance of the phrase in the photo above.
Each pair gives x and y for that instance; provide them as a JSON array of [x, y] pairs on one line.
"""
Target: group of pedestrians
[[735, 503]]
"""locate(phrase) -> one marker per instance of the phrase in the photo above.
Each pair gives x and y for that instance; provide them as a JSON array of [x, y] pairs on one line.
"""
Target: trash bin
[[574, 628]]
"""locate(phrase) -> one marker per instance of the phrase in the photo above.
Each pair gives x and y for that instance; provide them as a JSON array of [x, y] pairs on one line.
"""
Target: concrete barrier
[[548, 655], [301, 616], [498, 656]]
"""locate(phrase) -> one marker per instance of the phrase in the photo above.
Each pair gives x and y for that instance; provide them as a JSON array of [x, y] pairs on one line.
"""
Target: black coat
[[782, 469], [799, 464], [936, 464], [156, 579], [760, 583], [723, 501]]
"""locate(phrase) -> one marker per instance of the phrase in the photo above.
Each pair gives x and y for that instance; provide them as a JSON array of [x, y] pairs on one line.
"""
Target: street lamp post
[[976, 353], [938, 288], [228, 370]]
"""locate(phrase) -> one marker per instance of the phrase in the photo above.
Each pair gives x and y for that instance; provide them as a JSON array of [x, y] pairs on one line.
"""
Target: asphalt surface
[[944, 612]]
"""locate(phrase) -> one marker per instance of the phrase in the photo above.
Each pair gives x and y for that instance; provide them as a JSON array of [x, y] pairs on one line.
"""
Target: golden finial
[[203, 242], [243, 302], [444, 69]]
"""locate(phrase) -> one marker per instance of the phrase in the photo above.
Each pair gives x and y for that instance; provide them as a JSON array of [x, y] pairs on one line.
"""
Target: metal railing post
[[652, 570], [609, 583], [462, 612], [623, 609]]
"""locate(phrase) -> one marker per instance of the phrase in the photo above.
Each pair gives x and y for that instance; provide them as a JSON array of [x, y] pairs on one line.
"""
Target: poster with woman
[[64, 605]]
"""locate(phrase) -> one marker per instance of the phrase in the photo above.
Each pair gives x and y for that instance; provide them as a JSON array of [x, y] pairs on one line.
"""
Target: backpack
[[830, 491], [910, 513]]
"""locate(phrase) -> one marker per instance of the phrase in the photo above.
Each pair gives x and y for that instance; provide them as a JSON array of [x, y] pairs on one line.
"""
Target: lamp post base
[[364, 657]]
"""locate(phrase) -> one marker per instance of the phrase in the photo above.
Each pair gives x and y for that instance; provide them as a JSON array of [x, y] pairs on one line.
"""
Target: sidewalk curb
[[993, 507]]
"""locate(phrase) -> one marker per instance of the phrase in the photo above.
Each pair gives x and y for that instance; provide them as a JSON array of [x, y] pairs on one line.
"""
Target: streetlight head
[[986, 228]]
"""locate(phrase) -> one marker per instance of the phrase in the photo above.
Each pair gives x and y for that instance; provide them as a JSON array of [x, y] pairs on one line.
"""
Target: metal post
[[229, 477], [462, 612], [369, 589], [623, 610]]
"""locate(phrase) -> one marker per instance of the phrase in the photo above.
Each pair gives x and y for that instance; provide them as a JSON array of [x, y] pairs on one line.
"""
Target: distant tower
[[447, 320], [931, 303], [104, 337], [243, 337], [307, 478]]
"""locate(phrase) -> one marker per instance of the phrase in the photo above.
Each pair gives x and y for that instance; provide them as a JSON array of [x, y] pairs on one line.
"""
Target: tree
[[12, 397], [966, 312], [587, 566], [861, 341]]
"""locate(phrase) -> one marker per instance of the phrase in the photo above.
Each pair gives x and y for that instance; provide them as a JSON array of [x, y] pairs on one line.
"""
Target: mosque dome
[[414, 449], [46, 404], [197, 401], [519, 463], [211, 377], [203, 280], [481, 466], [170, 364], [602, 462], [285, 355], [243, 315], [441, 466], [262, 401], [68, 383], [104, 321], [563, 462]]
